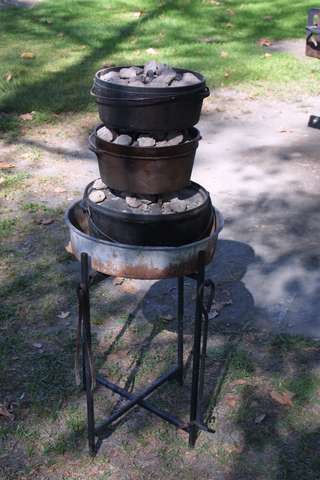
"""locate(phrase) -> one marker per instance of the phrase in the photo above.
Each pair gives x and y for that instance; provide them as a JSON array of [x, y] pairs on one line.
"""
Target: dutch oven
[[148, 109], [145, 170], [113, 220]]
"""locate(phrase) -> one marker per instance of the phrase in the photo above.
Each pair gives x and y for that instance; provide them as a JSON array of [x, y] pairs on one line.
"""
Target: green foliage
[[70, 41]]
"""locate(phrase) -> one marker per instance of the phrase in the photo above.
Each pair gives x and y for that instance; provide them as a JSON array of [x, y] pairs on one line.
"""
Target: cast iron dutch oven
[[148, 109], [114, 221], [145, 170]]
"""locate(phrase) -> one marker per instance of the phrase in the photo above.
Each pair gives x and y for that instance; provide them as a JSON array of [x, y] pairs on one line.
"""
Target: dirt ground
[[260, 162]]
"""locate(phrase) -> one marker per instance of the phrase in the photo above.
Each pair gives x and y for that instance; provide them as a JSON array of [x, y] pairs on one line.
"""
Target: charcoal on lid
[[128, 72], [123, 140], [118, 81], [99, 185], [97, 196], [152, 65], [174, 138], [105, 134], [190, 78], [107, 76], [146, 141]]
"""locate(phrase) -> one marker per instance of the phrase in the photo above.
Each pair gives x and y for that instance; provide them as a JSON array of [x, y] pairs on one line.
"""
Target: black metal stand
[[198, 368]]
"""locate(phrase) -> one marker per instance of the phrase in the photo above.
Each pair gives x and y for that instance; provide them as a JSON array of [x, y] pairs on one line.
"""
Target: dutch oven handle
[[150, 101]]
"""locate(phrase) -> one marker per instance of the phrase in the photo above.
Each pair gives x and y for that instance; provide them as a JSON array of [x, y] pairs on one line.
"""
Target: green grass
[[70, 41]]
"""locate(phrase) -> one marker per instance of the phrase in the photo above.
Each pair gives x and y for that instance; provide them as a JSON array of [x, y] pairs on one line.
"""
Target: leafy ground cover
[[49, 53]]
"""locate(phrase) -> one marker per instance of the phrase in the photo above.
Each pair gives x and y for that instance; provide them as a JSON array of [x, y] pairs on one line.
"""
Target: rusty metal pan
[[134, 261]]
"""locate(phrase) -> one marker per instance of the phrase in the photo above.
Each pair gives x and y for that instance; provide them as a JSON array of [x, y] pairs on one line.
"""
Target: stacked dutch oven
[[145, 149]]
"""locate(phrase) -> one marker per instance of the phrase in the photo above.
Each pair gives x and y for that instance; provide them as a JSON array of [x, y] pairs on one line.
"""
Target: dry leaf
[[230, 12], [37, 345], [151, 51], [60, 34], [229, 25], [68, 248], [4, 412], [26, 116], [283, 398], [264, 42], [5, 165], [2, 180], [232, 400], [240, 381], [267, 55], [268, 18], [224, 54], [8, 77], [63, 315], [213, 314], [226, 74], [137, 14], [27, 55], [46, 221]]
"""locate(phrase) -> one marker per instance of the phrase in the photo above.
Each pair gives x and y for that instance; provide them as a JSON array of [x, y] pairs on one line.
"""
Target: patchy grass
[[70, 42], [7, 226]]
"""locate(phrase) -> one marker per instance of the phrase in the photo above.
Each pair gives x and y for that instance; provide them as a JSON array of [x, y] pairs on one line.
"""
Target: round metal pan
[[134, 261]]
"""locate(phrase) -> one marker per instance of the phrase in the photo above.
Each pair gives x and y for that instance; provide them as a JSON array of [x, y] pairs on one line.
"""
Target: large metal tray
[[134, 261]]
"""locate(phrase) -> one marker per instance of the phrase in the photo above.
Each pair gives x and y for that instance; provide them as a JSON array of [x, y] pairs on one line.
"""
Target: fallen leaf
[[268, 18], [5, 165], [2, 180], [283, 398], [37, 345], [8, 77], [151, 51], [232, 400], [259, 419], [59, 190], [60, 34], [230, 12], [4, 412], [229, 25], [239, 381], [118, 281], [213, 314], [224, 54], [137, 14], [27, 55], [267, 55], [63, 315], [68, 248], [46, 221], [26, 116], [226, 74], [264, 42]]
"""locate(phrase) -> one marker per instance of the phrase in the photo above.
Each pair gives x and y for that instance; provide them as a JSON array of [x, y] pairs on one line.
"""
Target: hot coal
[[156, 140], [184, 200], [153, 74]]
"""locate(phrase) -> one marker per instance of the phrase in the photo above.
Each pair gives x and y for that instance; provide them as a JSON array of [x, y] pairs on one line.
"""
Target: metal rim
[[216, 229]]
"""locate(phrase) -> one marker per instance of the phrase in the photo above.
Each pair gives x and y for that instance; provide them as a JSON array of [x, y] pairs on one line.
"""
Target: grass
[[71, 41]]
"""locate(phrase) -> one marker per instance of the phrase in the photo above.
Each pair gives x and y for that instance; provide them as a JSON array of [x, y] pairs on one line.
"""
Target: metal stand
[[198, 368]]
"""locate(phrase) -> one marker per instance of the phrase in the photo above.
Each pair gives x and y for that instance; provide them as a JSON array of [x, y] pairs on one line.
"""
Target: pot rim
[[216, 229], [142, 151]]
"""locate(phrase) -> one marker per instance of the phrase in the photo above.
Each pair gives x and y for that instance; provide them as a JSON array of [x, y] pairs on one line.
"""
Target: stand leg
[[180, 327], [87, 357], [196, 351]]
